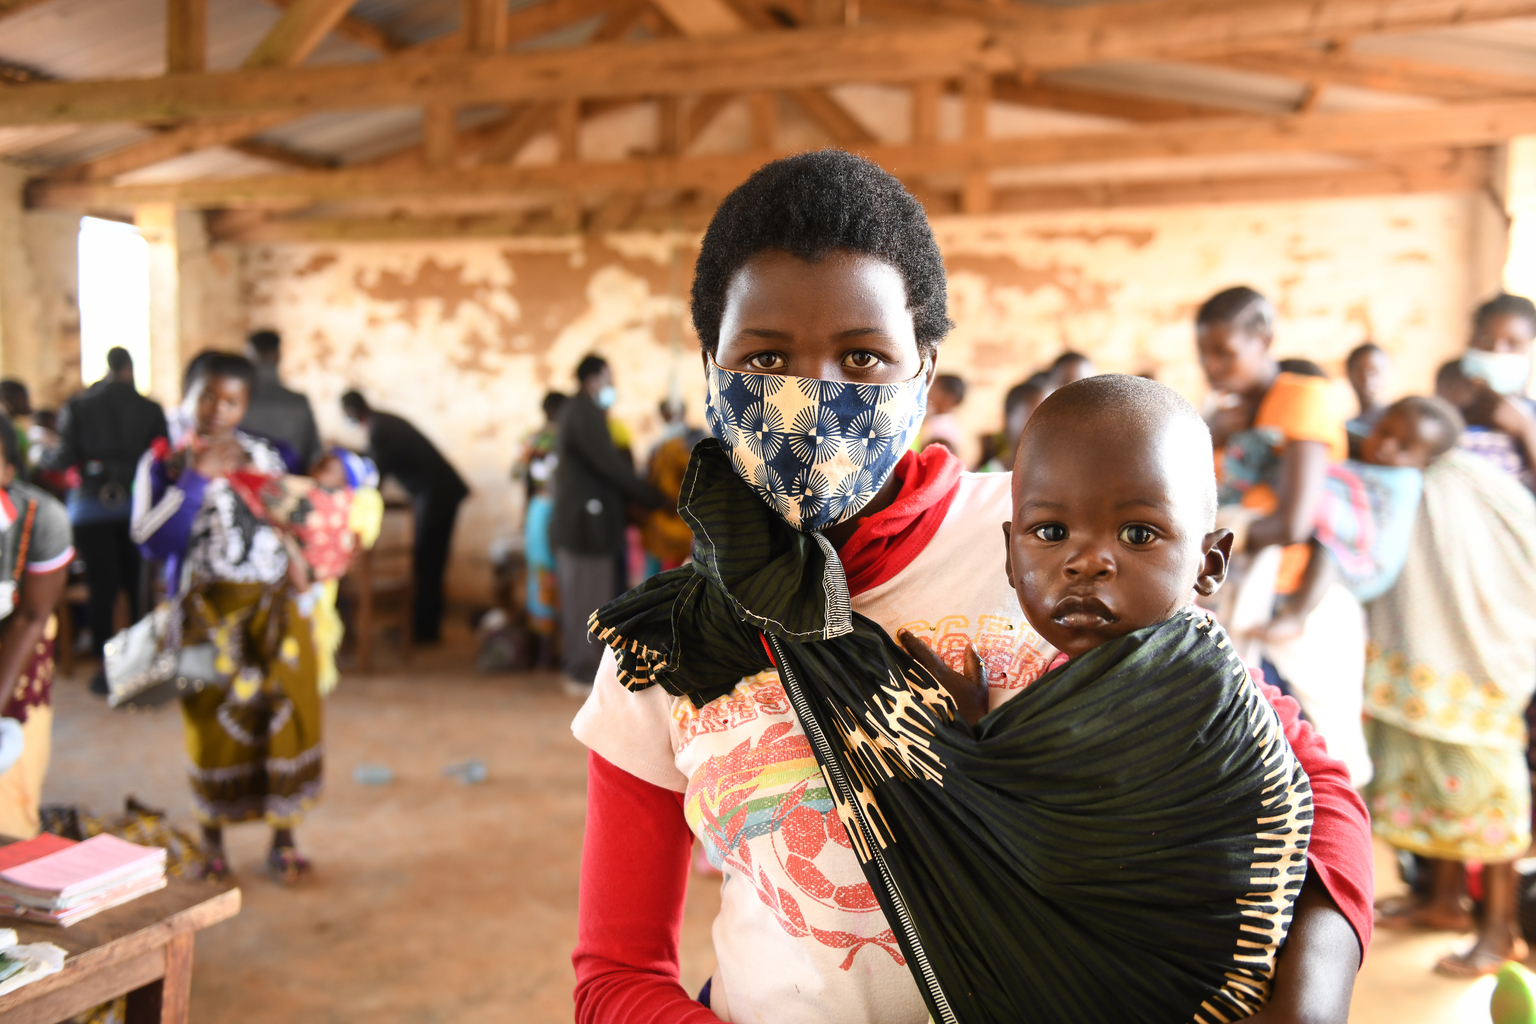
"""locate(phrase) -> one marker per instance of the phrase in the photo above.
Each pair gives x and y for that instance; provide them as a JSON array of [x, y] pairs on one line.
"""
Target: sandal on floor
[[1466, 965], [214, 869], [287, 866]]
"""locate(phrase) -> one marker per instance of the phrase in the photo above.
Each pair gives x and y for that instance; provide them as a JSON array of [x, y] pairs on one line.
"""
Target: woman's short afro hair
[[812, 205]]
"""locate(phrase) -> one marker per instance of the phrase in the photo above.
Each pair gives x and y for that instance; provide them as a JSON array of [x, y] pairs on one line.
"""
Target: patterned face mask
[[817, 451]]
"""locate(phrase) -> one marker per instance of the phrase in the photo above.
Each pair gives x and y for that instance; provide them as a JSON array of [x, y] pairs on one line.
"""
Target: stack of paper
[[55, 880]]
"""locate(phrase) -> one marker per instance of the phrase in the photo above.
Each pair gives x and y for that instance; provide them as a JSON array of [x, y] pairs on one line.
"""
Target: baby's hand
[[969, 690]]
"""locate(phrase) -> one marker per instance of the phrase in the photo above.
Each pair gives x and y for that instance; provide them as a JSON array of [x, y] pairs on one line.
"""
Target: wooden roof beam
[[1342, 65], [761, 61], [356, 30], [1050, 95], [1042, 37], [302, 27], [1454, 171], [1337, 132], [186, 35]]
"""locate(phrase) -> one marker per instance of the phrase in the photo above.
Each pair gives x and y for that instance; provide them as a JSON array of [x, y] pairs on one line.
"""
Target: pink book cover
[[17, 854], [82, 866]]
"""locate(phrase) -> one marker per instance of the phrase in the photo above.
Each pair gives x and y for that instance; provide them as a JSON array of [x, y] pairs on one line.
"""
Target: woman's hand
[[969, 691], [219, 457]]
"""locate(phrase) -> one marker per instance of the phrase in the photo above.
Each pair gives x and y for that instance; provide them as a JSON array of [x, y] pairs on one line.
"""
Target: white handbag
[[146, 664]]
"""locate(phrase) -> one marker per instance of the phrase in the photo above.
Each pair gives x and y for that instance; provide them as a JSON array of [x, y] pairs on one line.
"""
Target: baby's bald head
[[1128, 414], [1114, 512]]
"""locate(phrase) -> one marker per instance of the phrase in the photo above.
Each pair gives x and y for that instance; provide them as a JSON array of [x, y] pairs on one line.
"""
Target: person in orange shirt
[[1276, 433]]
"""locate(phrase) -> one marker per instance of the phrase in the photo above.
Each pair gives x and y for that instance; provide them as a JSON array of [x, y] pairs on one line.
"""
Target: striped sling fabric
[[1122, 841]]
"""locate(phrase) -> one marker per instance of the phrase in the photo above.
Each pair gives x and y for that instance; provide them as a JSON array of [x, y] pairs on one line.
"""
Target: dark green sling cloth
[[1120, 842]]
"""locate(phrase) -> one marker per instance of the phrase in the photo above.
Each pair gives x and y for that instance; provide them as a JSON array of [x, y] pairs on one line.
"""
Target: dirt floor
[[434, 901]]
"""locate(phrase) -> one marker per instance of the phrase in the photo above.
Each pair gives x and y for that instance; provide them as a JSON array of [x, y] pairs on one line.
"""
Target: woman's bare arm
[[1315, 974], [1303, 465], [38, 598]]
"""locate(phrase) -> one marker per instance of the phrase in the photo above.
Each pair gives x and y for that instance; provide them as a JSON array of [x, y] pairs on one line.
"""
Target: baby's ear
[[1217, 547]]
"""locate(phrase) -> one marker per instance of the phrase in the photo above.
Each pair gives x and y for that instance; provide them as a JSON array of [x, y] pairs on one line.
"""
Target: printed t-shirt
[[797, 919]]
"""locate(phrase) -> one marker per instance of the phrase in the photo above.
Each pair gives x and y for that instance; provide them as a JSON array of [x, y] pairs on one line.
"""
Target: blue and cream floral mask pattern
[[817, 451]]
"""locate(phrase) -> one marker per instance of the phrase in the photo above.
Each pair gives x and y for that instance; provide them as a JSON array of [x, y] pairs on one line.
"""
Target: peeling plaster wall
[[464, 337]]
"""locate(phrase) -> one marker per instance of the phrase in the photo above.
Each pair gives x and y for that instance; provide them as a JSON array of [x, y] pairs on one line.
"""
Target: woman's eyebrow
[[859, 332], [761, 332]]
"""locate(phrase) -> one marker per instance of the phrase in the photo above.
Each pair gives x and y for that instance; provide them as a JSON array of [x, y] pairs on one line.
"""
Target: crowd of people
[[222, 524], [1264, 625]]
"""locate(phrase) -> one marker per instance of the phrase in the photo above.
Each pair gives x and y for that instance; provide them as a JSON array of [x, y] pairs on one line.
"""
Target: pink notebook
[[92, 864]]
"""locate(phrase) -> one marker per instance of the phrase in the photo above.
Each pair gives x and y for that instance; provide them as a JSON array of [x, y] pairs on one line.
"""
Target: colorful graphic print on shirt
[[764, 815], [759, 804]]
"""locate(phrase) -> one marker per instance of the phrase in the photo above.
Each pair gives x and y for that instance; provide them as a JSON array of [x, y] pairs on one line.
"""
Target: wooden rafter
[[301, 28], [1345, 66], [355, 29], [1455, 171], [1051, 95], [1340, 132], [1042, 37], [186, 35]]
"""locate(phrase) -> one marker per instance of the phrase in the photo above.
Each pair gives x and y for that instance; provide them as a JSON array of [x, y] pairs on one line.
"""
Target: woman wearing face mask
[[819, 298], [1501, 419]]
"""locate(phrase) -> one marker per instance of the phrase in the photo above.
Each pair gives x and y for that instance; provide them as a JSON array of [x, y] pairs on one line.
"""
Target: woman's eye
[[1051, 532], [1137, 535], [766, 361], [861, 360]]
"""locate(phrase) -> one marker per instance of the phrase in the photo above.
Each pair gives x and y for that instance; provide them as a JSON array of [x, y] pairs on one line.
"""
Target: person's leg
[[103, 576], [130, 568], [434, 537], [1498, 937], [586, 584]]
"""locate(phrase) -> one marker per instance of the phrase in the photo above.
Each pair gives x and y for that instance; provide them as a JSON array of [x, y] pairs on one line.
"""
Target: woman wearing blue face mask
[[593, 480], [819, 300], [1501, 418]]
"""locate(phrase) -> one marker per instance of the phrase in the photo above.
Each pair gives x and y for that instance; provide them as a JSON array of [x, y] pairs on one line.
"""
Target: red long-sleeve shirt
[[635, 863]]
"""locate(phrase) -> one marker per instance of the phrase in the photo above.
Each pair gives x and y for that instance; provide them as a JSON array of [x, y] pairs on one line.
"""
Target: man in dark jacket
[[436, 489], [591, 482], [103, 432], [275, 412]]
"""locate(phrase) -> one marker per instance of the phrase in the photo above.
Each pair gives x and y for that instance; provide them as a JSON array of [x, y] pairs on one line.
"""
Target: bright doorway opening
[[114, 298]]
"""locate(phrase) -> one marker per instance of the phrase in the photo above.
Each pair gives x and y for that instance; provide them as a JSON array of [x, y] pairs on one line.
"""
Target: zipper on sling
[[845, 789]]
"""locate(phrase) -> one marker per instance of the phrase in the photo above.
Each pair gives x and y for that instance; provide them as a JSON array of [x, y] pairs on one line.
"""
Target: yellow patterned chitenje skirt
[[1453, 801]]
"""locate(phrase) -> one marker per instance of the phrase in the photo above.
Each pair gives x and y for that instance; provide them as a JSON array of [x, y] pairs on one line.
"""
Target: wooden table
[[142, 949]]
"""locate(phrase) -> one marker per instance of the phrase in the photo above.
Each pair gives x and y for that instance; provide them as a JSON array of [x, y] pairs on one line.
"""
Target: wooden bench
[[141, 949]]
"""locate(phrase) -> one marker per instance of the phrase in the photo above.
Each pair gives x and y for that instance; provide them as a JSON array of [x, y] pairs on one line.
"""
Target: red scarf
[[886, 542]]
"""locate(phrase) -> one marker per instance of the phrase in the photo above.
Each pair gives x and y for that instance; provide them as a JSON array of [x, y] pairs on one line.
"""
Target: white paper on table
[[41, 959]]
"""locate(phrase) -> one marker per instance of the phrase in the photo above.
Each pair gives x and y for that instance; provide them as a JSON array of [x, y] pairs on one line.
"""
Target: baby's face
[[1109, 532], [1397, 440]]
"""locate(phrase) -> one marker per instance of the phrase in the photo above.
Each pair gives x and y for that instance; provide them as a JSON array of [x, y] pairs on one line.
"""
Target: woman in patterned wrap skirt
[[253, 739]]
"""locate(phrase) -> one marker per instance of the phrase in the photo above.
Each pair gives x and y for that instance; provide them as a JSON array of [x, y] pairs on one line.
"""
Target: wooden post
[[157, 223], [765, 119], [568, 129], [925, 112], [186, 36], [669, 126], [977, 194], [438, 134], [167, 1000], [485, 26]]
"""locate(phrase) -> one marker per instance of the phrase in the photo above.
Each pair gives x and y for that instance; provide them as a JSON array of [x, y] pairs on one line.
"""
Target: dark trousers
[[434, 536], [112, 563], [586, 584]]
